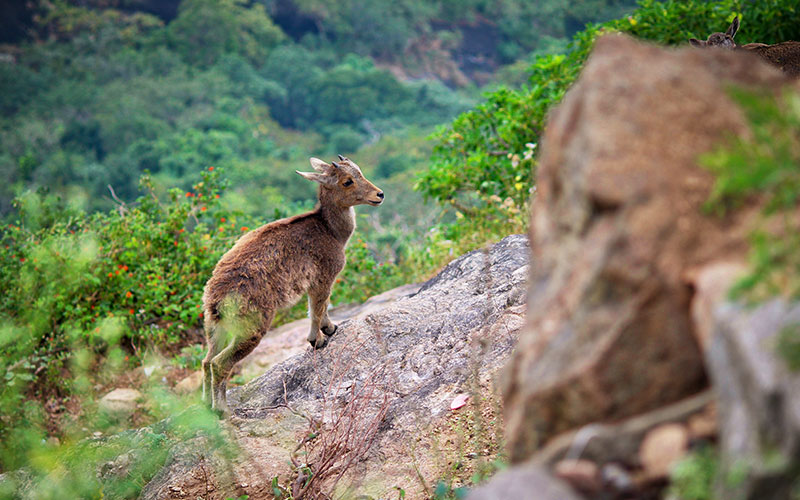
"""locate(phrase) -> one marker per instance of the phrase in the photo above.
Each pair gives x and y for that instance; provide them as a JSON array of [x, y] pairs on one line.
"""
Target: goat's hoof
[[330, 330], [319, 343]]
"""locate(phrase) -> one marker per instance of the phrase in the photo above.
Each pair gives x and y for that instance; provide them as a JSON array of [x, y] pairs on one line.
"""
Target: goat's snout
[[377, 202]]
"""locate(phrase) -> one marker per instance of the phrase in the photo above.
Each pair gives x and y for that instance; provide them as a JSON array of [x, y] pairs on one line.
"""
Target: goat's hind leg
[[215, 343], [240, 344]]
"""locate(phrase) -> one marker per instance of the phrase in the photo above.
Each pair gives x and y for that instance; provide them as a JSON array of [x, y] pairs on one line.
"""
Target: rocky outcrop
[[380, 387], [618, 233], [758, 398], [289, 340]]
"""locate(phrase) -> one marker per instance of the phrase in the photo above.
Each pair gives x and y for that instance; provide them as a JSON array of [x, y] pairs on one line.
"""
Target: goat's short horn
[[335, 164], [341, 158]]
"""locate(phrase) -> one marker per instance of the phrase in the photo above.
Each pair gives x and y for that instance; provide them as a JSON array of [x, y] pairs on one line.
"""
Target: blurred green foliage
[[67, 322], [788, 346], [763, 169], [693, 477]]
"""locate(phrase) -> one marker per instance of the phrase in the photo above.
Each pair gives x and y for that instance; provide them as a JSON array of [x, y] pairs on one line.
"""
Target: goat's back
[[785, 55], [273, 266]]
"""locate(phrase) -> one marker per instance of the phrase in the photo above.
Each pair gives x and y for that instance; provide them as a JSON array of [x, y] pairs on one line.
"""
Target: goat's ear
[[733, 28], [326, 180], [318, 165], [697, 43]]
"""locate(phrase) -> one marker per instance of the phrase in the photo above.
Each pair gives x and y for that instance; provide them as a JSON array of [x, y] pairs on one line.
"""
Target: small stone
[[583, 475], [120, 402], [662, 447]]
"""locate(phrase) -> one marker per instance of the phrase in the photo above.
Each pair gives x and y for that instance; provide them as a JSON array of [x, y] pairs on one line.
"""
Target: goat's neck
[[340, 220]]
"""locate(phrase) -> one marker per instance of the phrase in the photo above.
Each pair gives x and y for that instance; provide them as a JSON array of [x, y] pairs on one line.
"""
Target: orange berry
[[245, 228], [131, 311], [210, 169], [222, 219], [128, 294], [202, 209], [216, 196], [110, 275]]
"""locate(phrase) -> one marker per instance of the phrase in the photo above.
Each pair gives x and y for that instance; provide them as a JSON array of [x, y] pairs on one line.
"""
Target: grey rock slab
[[759, 400], [524, 482]]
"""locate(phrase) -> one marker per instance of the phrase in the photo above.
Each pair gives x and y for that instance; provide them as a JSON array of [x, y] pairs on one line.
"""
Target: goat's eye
[[348, 182]]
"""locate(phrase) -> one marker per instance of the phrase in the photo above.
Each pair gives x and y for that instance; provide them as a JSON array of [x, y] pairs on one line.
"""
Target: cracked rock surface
[[400, 366]]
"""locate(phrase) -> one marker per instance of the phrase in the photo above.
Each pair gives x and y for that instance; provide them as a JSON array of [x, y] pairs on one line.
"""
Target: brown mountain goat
[[784, 55], [273, 266]]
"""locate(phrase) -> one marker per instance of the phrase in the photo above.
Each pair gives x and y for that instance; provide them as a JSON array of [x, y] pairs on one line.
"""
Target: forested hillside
[[95, 93]]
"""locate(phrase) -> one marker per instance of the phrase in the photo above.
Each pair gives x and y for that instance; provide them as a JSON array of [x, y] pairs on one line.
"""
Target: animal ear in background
[[697, 43], [323, 179], [733, 28], [318, 165]]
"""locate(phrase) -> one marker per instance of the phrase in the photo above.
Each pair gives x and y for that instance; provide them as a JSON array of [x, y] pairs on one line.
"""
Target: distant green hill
[[93, 93]]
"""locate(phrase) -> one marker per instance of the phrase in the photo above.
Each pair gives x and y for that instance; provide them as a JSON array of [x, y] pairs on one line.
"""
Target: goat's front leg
[[320, 322]]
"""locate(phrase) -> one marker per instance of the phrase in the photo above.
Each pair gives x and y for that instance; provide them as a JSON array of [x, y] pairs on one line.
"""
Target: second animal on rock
[[271, 267], [784, 55]]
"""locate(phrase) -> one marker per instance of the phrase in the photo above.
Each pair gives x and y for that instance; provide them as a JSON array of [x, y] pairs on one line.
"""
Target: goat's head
[[345, 182], [719, 39]]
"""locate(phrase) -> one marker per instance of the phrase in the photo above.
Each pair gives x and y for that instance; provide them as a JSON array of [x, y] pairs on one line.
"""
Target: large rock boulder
[[758, 399], [374, 396], [618, 232]]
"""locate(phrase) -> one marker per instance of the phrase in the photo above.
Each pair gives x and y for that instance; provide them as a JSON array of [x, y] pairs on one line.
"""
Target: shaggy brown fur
[[273, 266], [784, 55]]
